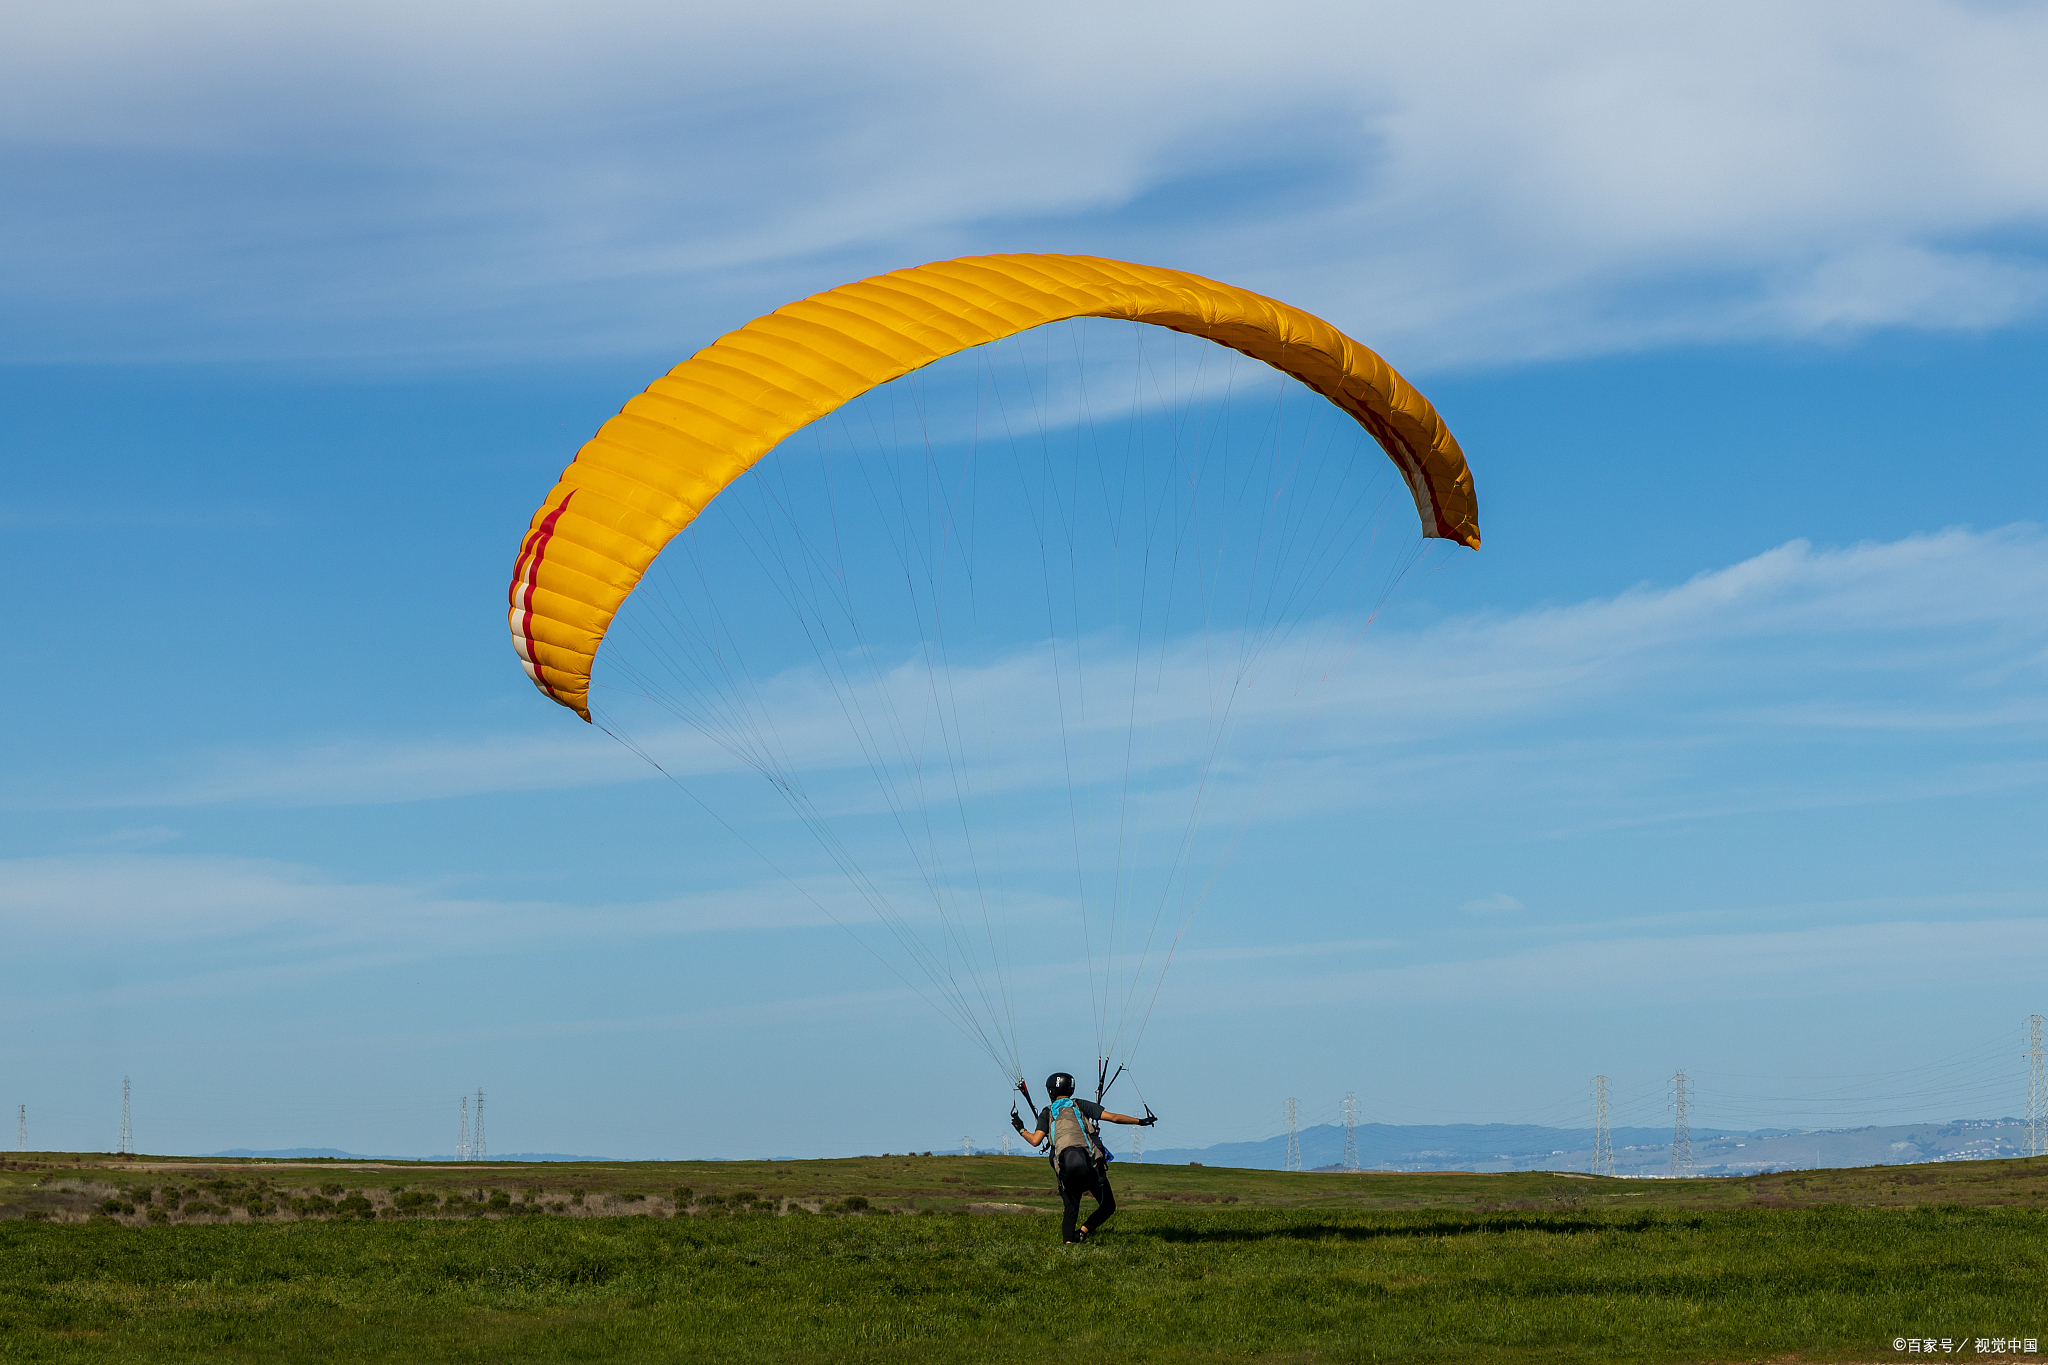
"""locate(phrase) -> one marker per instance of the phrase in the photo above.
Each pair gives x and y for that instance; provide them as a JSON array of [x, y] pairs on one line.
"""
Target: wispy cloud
[[1457, 182], [1622, 972], [140, 899], [1937, 635]]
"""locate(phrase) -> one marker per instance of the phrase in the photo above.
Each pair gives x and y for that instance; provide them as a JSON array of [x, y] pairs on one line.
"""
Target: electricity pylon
[[1293, 1135], [462, 1133], [127, 1132], [1681, 1130], [1603, 1141], [1351, 1132], [2037, 1091]]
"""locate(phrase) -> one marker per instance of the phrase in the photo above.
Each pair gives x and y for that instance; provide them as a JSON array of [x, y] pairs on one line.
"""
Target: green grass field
[[1820, 1265]]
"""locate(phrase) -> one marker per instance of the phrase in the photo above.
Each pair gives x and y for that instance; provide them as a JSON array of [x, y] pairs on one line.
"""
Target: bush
[[333, 1191], [682, 1195], [38, 1215], [500, 1201], [855, 1203], [312, 1206], [631, 1198], [415, 1201], [158, 1214], [356, 1206], [710, 1199]]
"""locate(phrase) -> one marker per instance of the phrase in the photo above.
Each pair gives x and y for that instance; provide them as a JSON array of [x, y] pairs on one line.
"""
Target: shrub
[[576, 1196], [312, 1206], [710, 1199], [38, 1215], [744, 1196], [356, 1206], [631, 1198], [855, 1203], [333, 1191], [500, 1201], [414, 1201], [158, 1214], [682, 1195]]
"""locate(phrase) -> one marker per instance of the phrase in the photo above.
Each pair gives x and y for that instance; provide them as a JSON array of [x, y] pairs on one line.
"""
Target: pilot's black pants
[[1078, 1176]]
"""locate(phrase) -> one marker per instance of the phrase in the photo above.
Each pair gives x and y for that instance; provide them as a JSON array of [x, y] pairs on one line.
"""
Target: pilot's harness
[[1081, 1131], [1090, 1131]]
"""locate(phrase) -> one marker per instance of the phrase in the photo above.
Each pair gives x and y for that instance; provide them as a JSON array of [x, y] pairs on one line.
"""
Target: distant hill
[[1637, 1151], [301, 1154]]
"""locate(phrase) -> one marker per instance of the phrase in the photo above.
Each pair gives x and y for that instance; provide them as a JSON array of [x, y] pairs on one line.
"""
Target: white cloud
[[1498, 903], [1939, 634], [1626, 972], [141, 899], [1455, 182], [356, 771]]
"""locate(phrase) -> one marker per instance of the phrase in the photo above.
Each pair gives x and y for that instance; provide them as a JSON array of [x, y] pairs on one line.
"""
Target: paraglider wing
[[650, 470]]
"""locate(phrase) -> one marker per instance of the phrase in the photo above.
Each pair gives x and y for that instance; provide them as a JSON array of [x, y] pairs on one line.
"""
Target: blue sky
[[1726, 753]]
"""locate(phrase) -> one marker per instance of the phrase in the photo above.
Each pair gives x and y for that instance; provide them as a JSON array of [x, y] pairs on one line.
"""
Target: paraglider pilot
[[1070, 1128]]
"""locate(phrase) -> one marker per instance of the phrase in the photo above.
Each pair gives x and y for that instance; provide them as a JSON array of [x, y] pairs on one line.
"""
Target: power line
[[1603, 1140], [127, 1133], [1293, 1134], [1681, 1131], [1351, 1132]]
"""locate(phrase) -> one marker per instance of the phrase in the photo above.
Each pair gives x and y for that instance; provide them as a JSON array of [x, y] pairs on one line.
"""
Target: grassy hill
[[72, 1186], [404, 1263]]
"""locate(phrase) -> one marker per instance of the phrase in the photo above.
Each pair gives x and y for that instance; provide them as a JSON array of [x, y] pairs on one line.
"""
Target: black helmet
[[1059, 1085]]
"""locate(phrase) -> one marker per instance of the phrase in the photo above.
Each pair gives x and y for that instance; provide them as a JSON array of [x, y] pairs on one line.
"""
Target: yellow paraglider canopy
[[649, 471]]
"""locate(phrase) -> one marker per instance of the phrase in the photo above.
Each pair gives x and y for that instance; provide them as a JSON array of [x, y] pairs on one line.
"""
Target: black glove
[[1148, 1120], [1016, 1122]]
